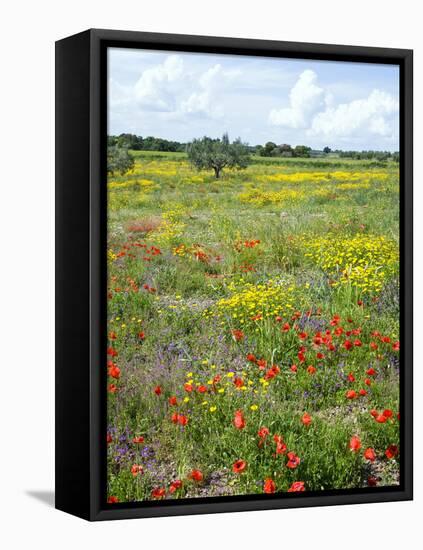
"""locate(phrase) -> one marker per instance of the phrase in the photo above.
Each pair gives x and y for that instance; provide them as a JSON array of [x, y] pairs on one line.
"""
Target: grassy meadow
[[253, 325]]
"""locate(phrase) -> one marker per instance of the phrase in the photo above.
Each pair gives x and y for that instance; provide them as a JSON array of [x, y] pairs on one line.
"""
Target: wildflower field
[[253, 328]]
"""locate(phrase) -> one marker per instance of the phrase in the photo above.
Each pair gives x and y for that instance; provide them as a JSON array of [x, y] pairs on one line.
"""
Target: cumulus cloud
[[306, 99], [312, 108], [155, 88], [374, 114]]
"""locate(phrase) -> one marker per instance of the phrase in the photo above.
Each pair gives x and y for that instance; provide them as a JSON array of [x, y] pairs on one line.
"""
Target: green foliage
[[217, 154], [119, 160]]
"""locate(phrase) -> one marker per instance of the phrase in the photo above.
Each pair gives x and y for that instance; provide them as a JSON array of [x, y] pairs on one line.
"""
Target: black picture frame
[[81, 126]]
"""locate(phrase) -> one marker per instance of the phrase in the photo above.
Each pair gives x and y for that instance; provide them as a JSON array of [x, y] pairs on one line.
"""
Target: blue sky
[[180, 96]]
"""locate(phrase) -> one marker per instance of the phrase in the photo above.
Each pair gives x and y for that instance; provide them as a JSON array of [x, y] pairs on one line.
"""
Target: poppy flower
[[182, 420], [373, 345], [269, 486], [293, 460], [367, 381], [136, 469], [175, 485], [174, 418], [369, 454], [261, 363], [237, 335], [263, 432], [306, 419], [138, 439], [112, 388], [112, 335], [239, 466], [109, 438], [114, 372], [188, 387], [381, 418], [386, 339], [396, 346], [347, 344], [320, 355], [285, 327], [391, 451], [374, 413], [141, 335], [202, 389], [239, 420], [301, 357], [297, 487], [351, 394], [158, 390], [196, 475], [280, 445], [112, 500], [351, 377], [158, 493], [355, 443], [172, 400], [251, 358], [358, 343], [362, 392], [238, 382], [372, 481], [370, 372], [302, 335], [311, 369], [293, 368], [388, 413], [112, 352]]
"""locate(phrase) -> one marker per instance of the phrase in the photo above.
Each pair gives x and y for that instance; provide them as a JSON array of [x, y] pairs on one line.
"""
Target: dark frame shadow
[[46, 497]]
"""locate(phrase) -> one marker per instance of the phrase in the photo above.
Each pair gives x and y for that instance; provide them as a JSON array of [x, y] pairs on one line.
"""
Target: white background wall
[[28, 32]]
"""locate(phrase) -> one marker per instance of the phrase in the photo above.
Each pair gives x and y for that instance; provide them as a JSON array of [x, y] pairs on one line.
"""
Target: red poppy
[[261, 363], [306, 419], [239, 466], [388, 413], [109, 438], [371, 372], [335, 320], [263, 432], [381, 418], [386, 339], [301, 357], [158, 390], [138, 439], [114, 372], [239, 420], [297, 487], [347, 344], [196, 475], [372, 481], [391, 451], [136, 469], [285, 327], [172, 400], [112, 352], [251, 357], [302, 335], [141, 335], [362, 392], [351, 377], [202, 389], [175, 485], [280, 445], [373, 345], [112, 500], [293, 460], [269, 486], [158, 493], [355, 443], [237, 334], [174, 418], [396, 346], [293, 368], [311, 369], [320, 355], [188, 387], [374, 413], [182, 420], [369, 454], [239, 382], [112, 388], [351, 394], [112, 335], [367, 381]]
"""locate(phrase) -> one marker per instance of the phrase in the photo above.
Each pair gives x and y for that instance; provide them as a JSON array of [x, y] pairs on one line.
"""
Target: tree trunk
[[217, 172]]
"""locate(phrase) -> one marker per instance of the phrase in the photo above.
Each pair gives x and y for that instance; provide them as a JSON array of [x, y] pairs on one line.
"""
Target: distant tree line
[[269, 149]]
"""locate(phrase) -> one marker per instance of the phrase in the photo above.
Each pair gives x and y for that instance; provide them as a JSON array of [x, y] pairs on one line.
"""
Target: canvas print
[[253, 276]]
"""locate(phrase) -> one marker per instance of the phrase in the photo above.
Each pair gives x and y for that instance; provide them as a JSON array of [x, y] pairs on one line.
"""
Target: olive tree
[[217, 154], [119, 160]]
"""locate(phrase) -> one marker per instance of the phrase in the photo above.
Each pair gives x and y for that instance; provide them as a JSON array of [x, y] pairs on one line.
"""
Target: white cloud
[[155, 89], [306, 99], [372, 115]]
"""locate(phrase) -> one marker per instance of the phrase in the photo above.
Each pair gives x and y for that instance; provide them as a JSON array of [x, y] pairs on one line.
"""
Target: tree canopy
[[119, 160], [217, 154]]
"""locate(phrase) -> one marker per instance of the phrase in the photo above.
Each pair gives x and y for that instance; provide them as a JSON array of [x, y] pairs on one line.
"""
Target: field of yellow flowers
[[253, 328]]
